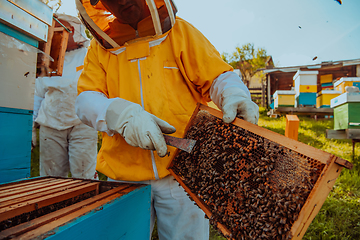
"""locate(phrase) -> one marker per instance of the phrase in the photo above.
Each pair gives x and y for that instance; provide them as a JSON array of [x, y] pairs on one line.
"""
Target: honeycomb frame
[[248, 195]]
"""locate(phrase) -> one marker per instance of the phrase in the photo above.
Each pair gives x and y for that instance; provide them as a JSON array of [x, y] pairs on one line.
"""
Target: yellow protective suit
[[167, 74]]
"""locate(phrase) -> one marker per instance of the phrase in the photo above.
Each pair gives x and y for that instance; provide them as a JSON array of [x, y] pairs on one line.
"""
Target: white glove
[[138, 127], [236, 101]]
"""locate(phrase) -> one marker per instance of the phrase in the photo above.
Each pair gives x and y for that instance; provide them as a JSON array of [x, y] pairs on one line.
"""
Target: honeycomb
[[252, 186]]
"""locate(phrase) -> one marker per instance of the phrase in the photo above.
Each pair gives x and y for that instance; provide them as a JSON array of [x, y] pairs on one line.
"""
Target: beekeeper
[[144, 73], [66, 144]]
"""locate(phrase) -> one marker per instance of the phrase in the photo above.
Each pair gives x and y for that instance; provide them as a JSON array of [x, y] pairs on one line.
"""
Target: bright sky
[[293, 32]]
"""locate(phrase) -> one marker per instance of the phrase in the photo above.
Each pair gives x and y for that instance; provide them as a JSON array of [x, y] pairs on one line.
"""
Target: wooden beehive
[[51, 61], [69, 208], [253, 183]]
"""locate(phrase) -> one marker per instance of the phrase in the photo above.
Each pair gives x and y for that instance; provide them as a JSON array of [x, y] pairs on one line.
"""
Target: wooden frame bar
[[26, 196], [55, 47], [32, 205]]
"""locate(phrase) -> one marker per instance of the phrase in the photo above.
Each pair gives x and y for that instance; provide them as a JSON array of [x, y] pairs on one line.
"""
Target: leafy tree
[[54, 4], [247, 59]]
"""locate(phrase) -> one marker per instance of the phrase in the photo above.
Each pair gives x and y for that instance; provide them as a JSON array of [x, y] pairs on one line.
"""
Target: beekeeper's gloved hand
[[236, 102], [138, 127]]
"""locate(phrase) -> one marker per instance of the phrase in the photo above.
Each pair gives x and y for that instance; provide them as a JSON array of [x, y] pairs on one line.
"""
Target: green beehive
[[346, 111]]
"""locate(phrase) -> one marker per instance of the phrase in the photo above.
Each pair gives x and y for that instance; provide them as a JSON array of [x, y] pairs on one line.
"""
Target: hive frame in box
[[323, 185], [55, 47], [63, 208]]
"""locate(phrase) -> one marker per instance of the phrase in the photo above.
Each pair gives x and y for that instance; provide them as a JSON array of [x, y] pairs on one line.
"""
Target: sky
[[293, 32]]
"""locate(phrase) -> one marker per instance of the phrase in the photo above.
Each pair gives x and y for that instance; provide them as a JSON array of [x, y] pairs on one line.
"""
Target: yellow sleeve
[[93, 76], [198, 60]]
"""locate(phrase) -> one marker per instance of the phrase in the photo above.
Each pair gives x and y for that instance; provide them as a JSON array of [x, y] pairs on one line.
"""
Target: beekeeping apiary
[[69, 208], [253, 183]]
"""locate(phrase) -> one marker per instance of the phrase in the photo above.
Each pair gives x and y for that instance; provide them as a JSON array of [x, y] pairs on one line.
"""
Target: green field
[[339, 217]]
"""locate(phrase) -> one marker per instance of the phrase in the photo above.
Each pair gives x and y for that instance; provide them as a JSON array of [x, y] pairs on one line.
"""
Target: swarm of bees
[[251, 185]]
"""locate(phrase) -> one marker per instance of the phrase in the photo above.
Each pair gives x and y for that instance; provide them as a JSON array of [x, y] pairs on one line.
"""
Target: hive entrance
[[252, 186]]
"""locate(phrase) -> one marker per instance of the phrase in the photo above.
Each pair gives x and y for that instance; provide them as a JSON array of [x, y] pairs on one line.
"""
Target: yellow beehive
[[284, 98], [308, 88], [346, 82], [326, 78], [324, 97]]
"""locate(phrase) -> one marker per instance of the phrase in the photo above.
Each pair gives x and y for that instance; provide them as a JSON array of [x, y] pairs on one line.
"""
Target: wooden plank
[[336, 134], [353, 133], [28, 226], [18, 190], [12, 211], [15, 199], [343, 133], [304, 111], [22, 183], [255, 89], [344, 163]]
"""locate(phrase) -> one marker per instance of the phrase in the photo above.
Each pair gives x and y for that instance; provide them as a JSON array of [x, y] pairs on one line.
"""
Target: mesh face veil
[[112, 32], [79, 30]]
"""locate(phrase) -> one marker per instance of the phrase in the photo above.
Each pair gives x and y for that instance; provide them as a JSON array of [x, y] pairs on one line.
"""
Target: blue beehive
[[69, 208], [22, 26]]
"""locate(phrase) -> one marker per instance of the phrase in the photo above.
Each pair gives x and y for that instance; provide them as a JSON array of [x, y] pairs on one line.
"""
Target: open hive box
[[253, 183], [69, 208]]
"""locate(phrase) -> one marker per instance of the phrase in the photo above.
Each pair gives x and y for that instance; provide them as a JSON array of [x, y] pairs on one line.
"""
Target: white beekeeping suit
[[66, 144]]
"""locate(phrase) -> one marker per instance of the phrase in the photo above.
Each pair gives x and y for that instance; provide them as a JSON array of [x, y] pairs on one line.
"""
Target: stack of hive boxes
[[347, 105], [347, 82], [305, 83], [327, 91], [22, 26]]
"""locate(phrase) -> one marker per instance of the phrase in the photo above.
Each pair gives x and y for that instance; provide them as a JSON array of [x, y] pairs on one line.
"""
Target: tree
[[247, 59], [54, 4]]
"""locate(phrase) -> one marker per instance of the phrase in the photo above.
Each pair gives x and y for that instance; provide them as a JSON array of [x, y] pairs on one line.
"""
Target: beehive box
[[305, 78], [69, 208], [347, 82], [30, 18], [327, 78], [18, 67], [305, 99], [305, 84], [324, 97], [253, 183], [346, 111], [326, 82], [283, 98], [23, 24]]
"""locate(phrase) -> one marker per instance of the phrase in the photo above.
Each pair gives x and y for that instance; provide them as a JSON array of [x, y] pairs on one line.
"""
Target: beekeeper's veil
[[111, 33], [79, 29]]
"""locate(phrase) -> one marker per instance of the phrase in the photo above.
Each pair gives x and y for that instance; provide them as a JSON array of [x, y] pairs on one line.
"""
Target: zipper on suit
[[156, 174]]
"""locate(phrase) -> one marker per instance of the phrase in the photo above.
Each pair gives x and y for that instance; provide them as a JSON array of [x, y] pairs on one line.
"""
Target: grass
[[339, 217]]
